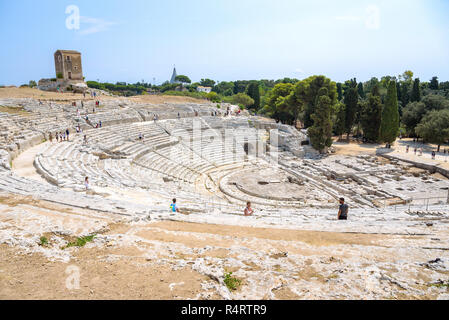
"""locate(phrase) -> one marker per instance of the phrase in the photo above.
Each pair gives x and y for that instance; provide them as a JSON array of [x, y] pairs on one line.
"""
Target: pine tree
[[372, 116], [321, 132], [416, 91], [389, 128]]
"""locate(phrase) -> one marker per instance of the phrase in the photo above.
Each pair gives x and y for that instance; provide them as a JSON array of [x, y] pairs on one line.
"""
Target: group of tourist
[[421, 151], [60, 136]]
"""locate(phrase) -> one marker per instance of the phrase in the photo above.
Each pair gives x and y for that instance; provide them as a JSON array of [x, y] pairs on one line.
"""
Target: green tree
[[407, 75], [276, 103], [183, 79], [351, 101], [240, 86], [253, 91], [321, 132], [339, 91], [416, 91], [389, 127], [32, 84], [434, 128], [433, 85], [207, 83], [372, 116], [414, 112], [243, 99], [340, 121], [225, 88], [213, 96], [306, 93], [360, 91], [412, 115]]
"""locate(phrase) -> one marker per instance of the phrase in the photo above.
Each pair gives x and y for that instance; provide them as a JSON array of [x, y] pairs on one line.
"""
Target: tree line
[[378, 110]]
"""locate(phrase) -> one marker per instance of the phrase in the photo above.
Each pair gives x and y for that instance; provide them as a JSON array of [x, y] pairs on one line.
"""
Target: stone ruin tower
[[69, 73], [68, 65]]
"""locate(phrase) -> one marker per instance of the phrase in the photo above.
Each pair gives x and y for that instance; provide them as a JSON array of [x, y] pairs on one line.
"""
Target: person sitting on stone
[[174, 207], [85, 139], [248, 210], [50, 137]]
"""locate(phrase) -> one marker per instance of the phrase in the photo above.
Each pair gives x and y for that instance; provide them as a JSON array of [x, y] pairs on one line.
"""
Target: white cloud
[[95, 25], [299, 70]]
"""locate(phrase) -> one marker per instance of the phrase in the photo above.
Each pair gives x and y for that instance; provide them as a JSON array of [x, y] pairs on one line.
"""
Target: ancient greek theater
[[117, 229]]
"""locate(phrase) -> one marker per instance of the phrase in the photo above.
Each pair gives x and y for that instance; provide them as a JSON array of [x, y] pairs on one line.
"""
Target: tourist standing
[[86, 183], [343, 211], [67, 134], [50, 137]]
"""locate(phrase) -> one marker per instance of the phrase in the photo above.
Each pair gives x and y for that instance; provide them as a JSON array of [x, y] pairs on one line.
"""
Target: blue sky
[[226, 40]]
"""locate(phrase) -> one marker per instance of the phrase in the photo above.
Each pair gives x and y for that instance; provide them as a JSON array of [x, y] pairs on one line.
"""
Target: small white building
[[204, 89]]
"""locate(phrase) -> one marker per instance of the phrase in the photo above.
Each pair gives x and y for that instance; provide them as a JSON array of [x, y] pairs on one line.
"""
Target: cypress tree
[[398, 89], [321, 132], [405, 93], [340, 123], [389, 127], [254, 93], [351, 100], [372, 116], [361, 91], [416, 92], [339, 91]]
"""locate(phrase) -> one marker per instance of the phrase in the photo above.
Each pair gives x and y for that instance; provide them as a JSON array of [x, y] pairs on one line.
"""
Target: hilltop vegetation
[[375, 111]]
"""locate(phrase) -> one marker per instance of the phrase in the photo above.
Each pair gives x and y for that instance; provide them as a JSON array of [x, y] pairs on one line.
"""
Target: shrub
[[80, 242], [43, 241], [231, 282]]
